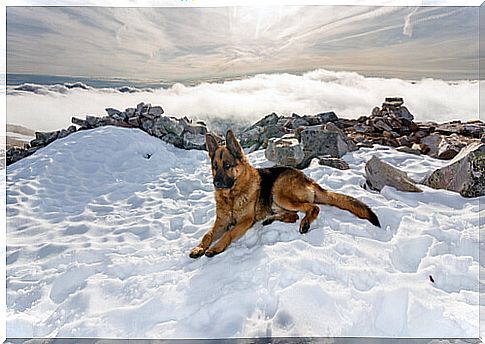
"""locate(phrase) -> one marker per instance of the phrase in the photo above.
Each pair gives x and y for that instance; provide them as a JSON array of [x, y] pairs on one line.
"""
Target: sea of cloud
[[348, 94]]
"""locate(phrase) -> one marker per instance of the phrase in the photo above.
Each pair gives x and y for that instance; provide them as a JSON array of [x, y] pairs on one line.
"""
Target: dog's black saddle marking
[[268, 177]]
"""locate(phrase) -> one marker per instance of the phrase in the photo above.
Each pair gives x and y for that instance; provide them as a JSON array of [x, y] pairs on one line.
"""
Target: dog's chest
[[237, 207]]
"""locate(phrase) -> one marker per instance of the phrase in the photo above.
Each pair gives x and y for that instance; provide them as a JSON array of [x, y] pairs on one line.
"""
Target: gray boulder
[[155, 110], [328, 140], [285, 151], [379, 174], [465, 174]]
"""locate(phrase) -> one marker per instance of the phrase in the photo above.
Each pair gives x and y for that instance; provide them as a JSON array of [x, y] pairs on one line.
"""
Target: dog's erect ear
[[211, 144], [233, 145]]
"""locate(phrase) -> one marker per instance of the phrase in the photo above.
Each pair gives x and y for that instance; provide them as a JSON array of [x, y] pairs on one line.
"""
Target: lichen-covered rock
[[379, 174], [285, 151], [465, 174]]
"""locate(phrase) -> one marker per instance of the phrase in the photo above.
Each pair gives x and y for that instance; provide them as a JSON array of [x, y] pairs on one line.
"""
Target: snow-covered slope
[[100, 223]]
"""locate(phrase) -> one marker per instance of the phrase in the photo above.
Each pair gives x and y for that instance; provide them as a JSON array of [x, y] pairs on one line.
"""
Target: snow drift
[[349, 94], [100, 223]]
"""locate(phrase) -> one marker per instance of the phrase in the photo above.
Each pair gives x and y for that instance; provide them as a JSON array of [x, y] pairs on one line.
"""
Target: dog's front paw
[[196, 252]]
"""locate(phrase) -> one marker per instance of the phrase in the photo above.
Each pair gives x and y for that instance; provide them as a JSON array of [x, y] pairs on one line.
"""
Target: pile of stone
[[392, 124], [258, 135], [181, 132]]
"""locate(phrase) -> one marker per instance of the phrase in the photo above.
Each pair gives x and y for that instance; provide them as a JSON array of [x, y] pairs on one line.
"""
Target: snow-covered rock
[[100, 224]]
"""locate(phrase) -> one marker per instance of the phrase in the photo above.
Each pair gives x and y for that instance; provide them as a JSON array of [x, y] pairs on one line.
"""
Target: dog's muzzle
[[221, 185]]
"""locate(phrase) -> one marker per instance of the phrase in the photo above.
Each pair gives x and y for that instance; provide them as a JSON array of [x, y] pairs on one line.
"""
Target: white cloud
[[408, 26], [348, 94]]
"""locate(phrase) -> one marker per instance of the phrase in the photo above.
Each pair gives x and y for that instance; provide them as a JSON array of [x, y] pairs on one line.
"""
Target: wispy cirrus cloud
[[179, 43]]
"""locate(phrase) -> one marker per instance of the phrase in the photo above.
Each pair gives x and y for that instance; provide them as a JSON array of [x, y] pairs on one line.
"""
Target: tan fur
[[239, 206]]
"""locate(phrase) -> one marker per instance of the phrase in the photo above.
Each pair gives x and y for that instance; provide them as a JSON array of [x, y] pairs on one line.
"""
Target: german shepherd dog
[[245, 195]]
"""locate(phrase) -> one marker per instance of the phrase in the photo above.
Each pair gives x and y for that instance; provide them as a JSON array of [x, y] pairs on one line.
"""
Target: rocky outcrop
[[379, 174], [181, 132], [465, 174]]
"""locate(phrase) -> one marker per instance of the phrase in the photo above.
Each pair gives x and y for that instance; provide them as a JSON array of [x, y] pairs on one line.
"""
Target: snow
[[98, 237]]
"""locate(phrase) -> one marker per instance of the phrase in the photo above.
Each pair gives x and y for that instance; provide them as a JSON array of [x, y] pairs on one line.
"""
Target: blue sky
[[189, 43]]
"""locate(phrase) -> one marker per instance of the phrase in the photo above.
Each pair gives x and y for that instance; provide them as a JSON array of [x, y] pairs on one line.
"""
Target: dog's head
[[228, 162]]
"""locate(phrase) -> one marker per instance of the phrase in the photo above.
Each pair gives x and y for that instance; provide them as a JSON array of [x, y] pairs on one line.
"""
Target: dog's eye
[[226, 165]]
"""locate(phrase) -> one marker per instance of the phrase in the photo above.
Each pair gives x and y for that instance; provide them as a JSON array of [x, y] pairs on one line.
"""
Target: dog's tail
[[345, 202]]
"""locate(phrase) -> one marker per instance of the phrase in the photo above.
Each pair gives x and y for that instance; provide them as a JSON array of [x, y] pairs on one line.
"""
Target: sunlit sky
[[189, 43]]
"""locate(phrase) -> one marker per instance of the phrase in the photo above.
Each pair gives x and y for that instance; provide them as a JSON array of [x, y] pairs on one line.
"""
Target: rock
[[130, 112], [142, 108], [134, 122], [112, 112], [297, 122], [433, 142], [81, 122], [270, 119], [273, 131], [403, 141], [328, 140], [362, 128], [250, 137], [382, 126], [465, 174], [155, 110], [194, 136], [63, 133], [147, 124], [193, 140], [334, 162], [285, 151], [393, 101], [327, 117], [92, 121], [173, 139], [453, 127], [473, 130], [448, 150], [174, 125], [15, 154], [405, 149], [380, 174]]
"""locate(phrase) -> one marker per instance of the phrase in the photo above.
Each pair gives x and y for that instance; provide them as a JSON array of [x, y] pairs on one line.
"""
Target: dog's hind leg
[[311, 210], [288, 217]]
